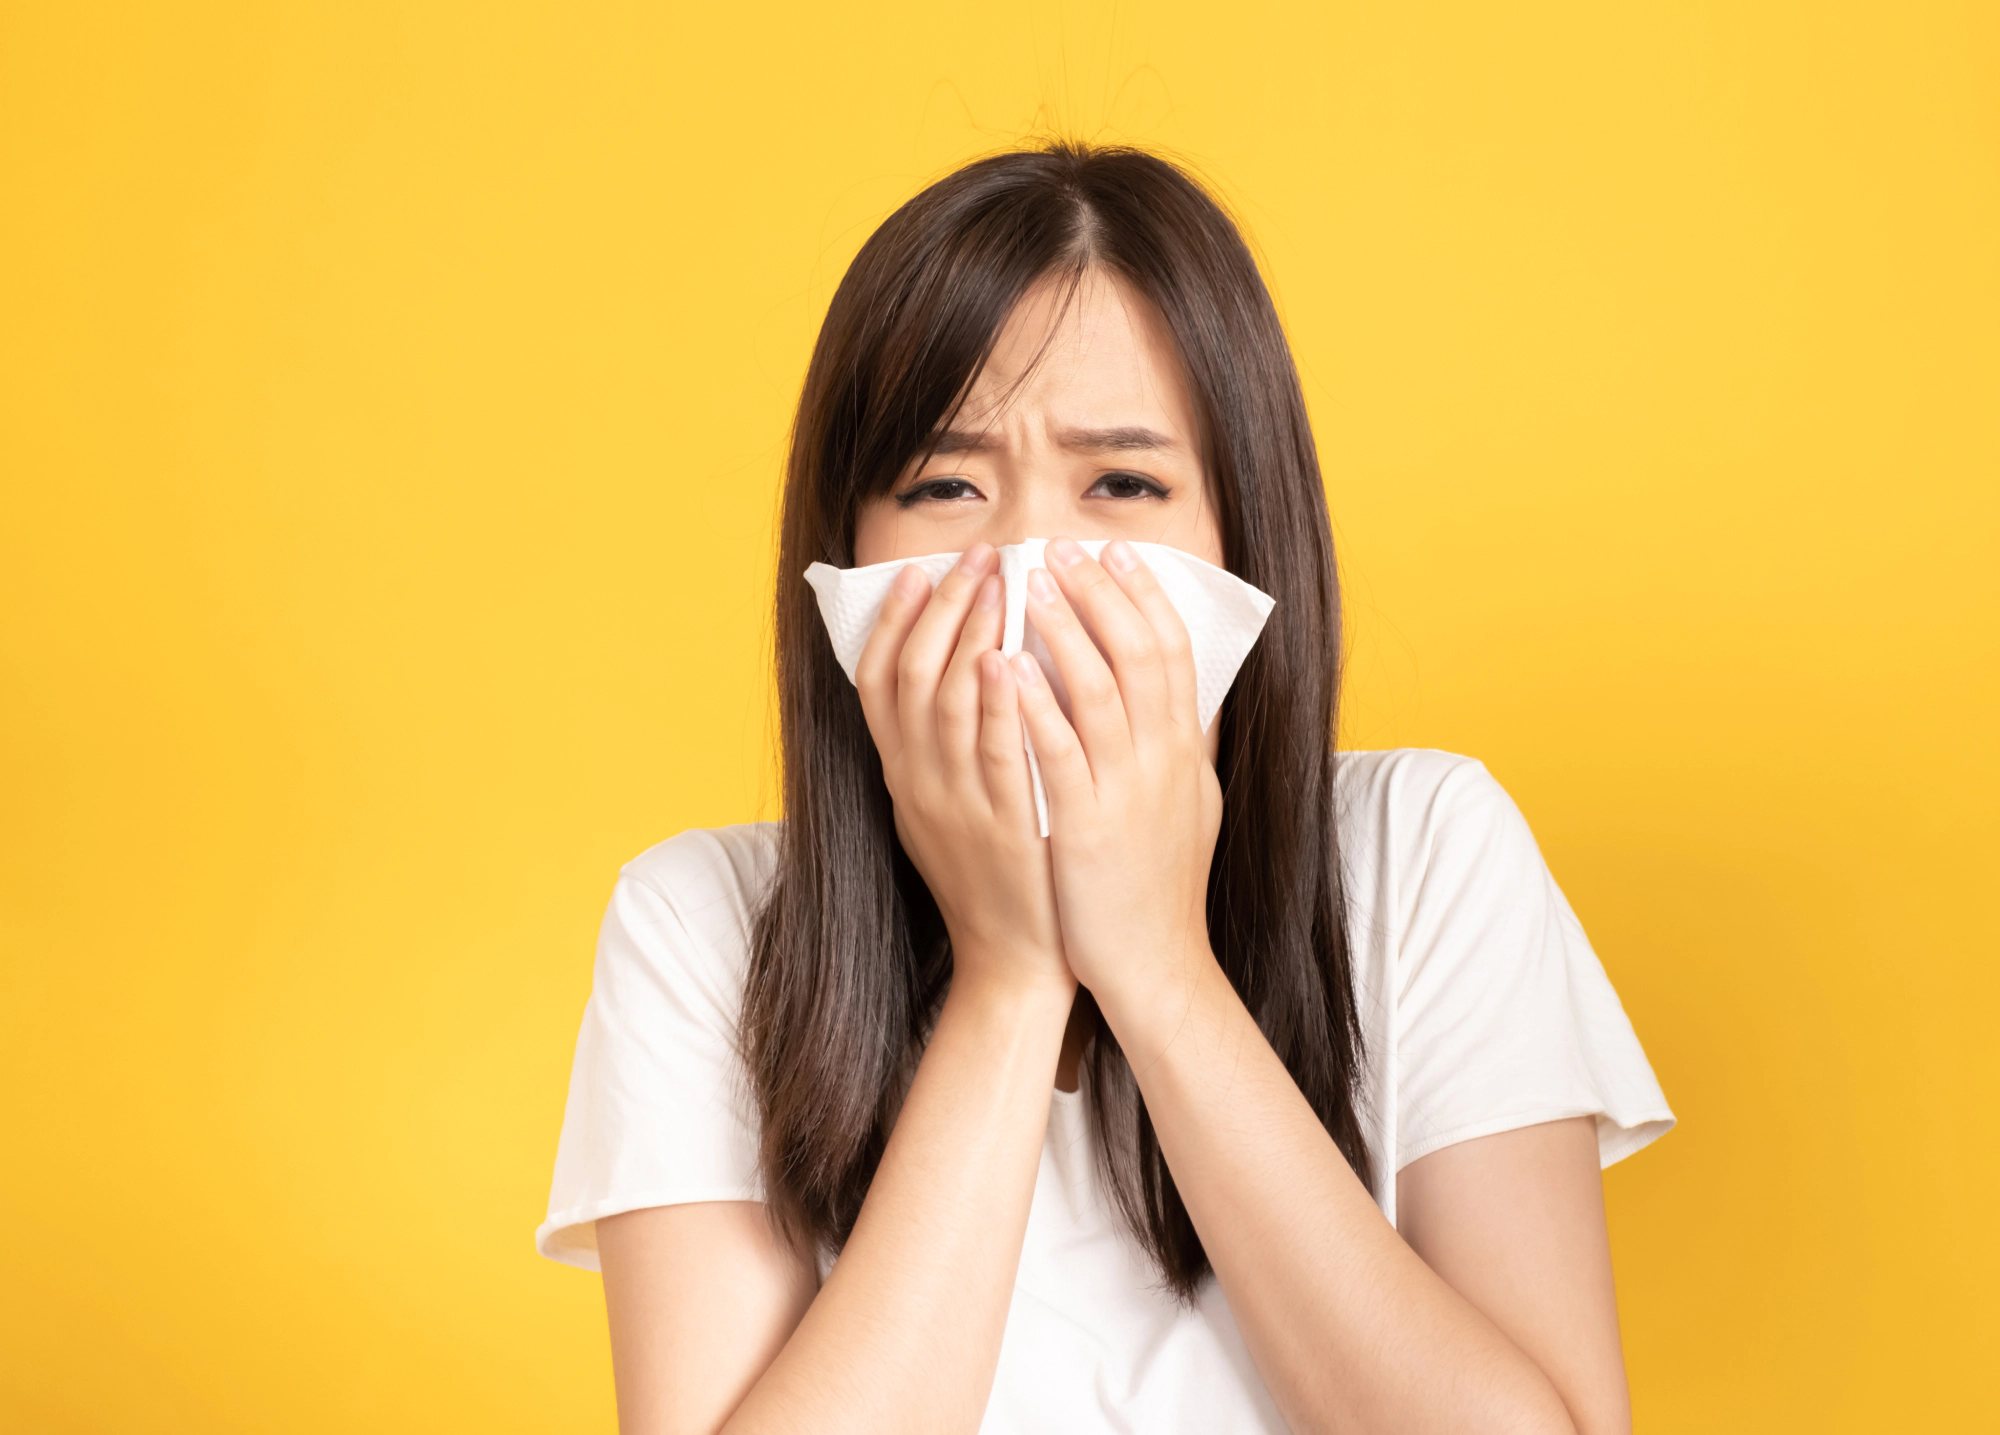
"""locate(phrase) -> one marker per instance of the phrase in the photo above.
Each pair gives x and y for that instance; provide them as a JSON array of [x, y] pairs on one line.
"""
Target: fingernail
[[1065, 551], [1118, 553], [1026, 668], [912, 581], [1041, 586], [989, 593], [975, 557]]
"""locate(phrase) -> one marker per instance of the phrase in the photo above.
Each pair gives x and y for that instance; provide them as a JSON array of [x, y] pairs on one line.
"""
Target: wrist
[[1151, 1018], [997, 984]]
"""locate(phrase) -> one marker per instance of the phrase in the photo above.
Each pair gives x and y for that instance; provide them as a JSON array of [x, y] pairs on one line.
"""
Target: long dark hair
[[850, 958]]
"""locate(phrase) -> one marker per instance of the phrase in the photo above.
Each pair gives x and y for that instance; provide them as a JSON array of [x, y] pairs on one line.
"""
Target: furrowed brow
[[957, 441], [1114, 440]]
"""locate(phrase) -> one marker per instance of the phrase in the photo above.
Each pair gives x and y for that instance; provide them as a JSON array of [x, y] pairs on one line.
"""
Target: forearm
[[905, 1334], [1349, 1328]]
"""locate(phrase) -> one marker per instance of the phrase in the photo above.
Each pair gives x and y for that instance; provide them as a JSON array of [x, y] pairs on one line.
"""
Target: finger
[[921, 664], [1097, 711], [1002, 759], [1066, 772], [875, 669], [1121, 560], [1121, 630], [958, 698]]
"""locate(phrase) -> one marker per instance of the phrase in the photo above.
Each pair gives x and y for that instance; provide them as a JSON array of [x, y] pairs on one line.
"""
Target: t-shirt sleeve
[[1504, 1015], [658, 1111]]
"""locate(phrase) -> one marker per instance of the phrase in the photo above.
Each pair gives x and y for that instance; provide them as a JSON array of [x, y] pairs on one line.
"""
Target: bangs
[[918, 315]]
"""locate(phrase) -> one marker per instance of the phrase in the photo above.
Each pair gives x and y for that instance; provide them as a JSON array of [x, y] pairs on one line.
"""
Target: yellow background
[[391, 401]]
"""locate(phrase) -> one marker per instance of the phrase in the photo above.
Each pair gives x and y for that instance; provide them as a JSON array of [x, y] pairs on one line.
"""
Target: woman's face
[[1079, 426]]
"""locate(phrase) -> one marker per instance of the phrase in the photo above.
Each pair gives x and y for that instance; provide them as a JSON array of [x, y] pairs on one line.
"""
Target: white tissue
[[1223, 615]]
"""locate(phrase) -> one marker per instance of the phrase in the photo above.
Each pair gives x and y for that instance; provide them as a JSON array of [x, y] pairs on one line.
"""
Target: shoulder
[[1403, 770], [659, 1109], [1404, 800], [685, 907], [1492, 1008], [1431, 838], [706, 872]]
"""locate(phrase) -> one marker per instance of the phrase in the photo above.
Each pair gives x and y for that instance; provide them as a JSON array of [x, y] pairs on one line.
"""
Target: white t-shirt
[[1482, 1009]]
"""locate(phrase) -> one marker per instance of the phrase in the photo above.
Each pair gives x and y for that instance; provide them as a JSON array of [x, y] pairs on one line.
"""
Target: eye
[[1128, 485], [938, 490]]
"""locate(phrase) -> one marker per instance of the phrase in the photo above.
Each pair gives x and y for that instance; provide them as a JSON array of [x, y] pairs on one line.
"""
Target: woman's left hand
[[1134, 805]]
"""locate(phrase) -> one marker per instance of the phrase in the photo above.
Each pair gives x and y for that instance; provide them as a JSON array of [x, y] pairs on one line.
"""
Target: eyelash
[[930, 489], [1152, 487]]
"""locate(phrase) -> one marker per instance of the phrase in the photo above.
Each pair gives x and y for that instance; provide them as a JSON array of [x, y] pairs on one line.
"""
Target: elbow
[[1530, 1405], [1541, 1412]]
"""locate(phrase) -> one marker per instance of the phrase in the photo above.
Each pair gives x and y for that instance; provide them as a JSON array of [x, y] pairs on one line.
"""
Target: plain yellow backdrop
[[391, 403]]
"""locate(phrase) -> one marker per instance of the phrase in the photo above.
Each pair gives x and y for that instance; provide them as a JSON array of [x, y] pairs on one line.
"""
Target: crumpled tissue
[[1223, 614]]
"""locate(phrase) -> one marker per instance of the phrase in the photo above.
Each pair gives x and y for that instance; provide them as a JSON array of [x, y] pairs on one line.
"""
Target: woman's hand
[[945, 716], [1134, 805]]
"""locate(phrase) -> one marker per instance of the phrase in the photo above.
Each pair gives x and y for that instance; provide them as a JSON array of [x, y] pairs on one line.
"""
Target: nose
[[1037, 504]]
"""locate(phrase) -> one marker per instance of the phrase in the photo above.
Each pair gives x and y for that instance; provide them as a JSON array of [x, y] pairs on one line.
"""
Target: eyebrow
[[1114, 440], [1128, 439], [966, 441]]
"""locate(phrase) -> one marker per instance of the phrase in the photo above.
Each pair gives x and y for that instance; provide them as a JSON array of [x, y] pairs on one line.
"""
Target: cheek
[[875, 532], [1197, 529], [1209, 545]]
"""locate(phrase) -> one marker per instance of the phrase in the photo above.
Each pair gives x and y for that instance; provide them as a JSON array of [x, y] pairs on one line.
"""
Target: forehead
[[1095, 354]]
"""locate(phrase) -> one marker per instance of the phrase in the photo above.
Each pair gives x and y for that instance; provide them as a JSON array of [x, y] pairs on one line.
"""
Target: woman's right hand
[[944, 710]]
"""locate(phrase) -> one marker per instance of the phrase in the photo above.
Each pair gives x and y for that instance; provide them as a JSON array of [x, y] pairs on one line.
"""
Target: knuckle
[[1142, 648], [1096, 687], [1060, 619], [958, 714]]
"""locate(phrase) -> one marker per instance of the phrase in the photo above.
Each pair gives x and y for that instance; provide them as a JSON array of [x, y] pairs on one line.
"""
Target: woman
[[1270, 1090]]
